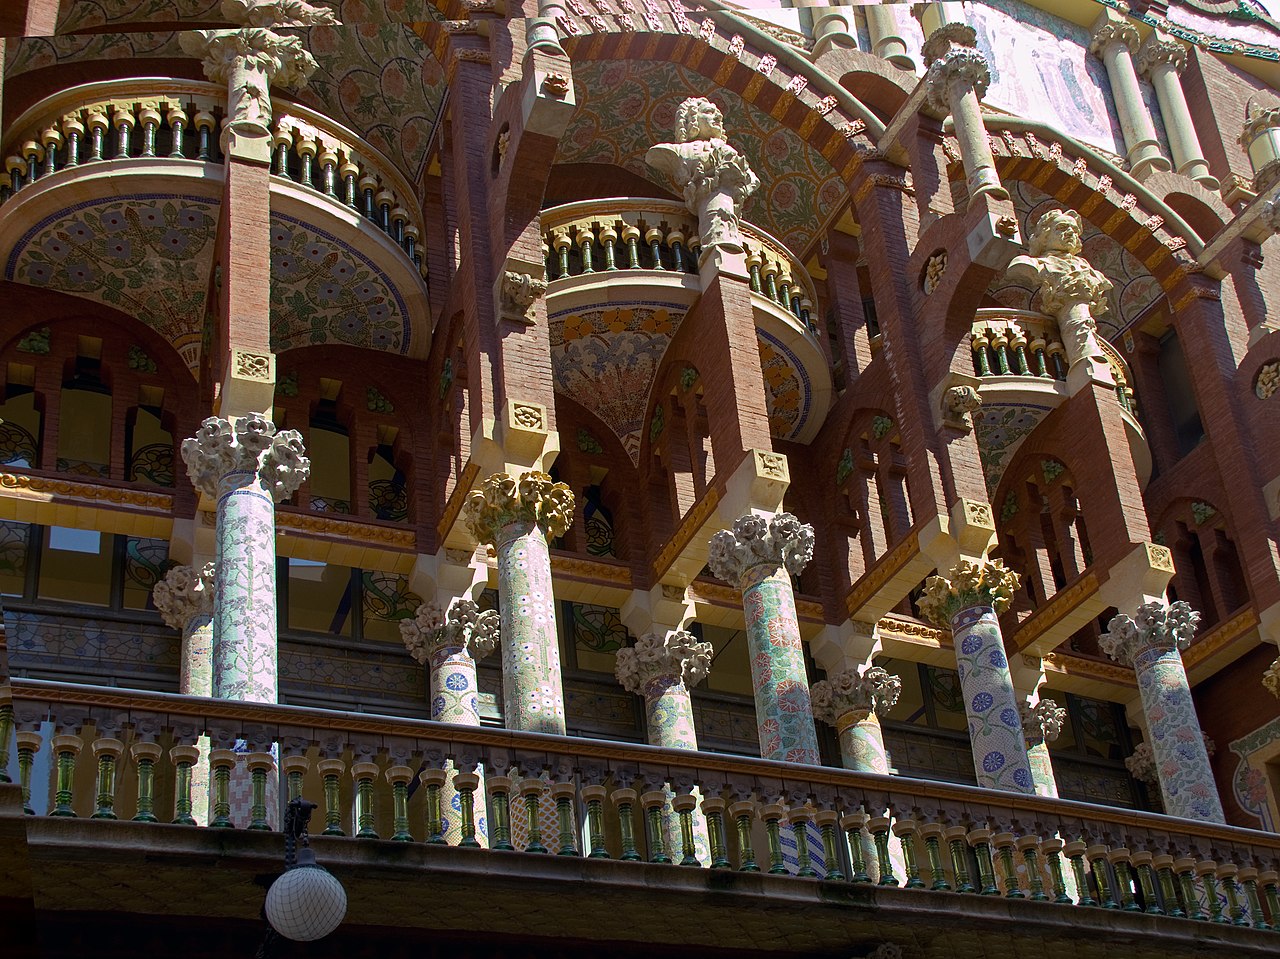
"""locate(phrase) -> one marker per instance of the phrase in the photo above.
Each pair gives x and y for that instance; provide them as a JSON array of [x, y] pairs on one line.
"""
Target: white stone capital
[[1155, 625], [463, 626], [1161, 49], [502, 500], [249, 445], [959, 68], [675, 655], [873, 690], [1043, 721], [779, 540], [184, 593], [1109, 28]]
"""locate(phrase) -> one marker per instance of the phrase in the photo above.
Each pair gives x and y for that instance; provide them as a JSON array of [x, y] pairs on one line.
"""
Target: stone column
[[968, 601], [1071, 290], [663, 667], [1041, 725], [247, 467], [1162, 58], [449, 644], [715, 178], [955, 83], [1260, 138], [184, 598], [517, 519], [853, 703], [760, 555], [886, 38], [1151, 641], [1115, 40], [833, 27]]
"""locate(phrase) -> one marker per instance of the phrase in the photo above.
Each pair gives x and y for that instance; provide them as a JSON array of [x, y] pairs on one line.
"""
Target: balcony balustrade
[[604, 236], [179, 120], [608, 799]]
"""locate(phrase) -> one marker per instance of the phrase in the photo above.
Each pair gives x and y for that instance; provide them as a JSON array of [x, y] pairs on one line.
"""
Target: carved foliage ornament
[[959, 401], [1268, 382], [502, 500], [1154, 625], [959, 65], [1271, 678], [184, 593], [277, 13], [779, 540], [986, 583], [464, 626], [519, 292], [676, 655], [875, 690], [251, 445], [1043, 720]]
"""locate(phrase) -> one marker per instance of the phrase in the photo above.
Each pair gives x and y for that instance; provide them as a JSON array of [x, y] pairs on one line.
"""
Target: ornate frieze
[[463, 626], [1154, 626], [183, 594], [250, 445], [779, 540], [675, 656], [874, 690], [502, 500], [986, 583]]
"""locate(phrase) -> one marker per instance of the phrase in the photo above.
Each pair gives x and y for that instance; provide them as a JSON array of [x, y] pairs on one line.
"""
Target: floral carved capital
[[988, 583], [502, 500], [463, 626], [250, 445], [183, 593], [1160, 49], [779, 540], [964, 64], [519, 292], [1155, 625], [278, 13], [875, 690], [1043, 721], [1271, 678], [676, 655]]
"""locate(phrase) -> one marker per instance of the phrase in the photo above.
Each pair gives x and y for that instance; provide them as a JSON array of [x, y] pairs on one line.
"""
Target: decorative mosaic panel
[[34, 53], [601, 710], [325, 291], [627, 106], [79, 14], [1135, 289], [1001, 428], [148, 255], [100, 651], [787, 386], [334, 677], [1249, 783], [726, 727]]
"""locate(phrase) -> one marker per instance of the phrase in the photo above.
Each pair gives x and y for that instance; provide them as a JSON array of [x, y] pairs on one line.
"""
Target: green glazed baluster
[[713, 810], [771, 814], [742, 813], [654, 831], [500, 794], [66, 748], [330, 770], [625, 800], [880, 836], [260, 764], [467, 784], [531, 790], [593, 796], [108, 752], [145, 756], [564, 794]]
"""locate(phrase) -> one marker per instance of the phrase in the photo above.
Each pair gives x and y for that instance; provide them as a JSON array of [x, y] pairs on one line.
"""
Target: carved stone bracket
[[958, 403], [519, 291], [1155, 625], [502, 500], [874, 690], [462, 626], [251, 445], [184, 593], [676, 655], [986, 583], [780, 540]]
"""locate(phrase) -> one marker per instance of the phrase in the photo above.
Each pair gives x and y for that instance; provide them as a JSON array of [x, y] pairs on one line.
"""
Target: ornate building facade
[[571, 441]]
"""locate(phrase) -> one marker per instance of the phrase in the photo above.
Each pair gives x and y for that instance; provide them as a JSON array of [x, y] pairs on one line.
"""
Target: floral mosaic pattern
[[606, 359], [324, 291], [33, 53], [1249, 784], [787, 387], [1001, 428], [995, 729], [784, 714], [627, 106], [79, 14], [1135, 290], [148, 255], [245, 662], [533, 698], [86, 646], [862, 747]]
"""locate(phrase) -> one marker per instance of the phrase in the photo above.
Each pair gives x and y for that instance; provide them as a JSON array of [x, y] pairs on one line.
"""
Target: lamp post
[[307, 902]]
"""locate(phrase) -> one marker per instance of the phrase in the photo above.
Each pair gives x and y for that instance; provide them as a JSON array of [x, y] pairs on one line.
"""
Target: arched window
[[388, 485], [149, 444], [84, 414], [22, 415], [329, 446]]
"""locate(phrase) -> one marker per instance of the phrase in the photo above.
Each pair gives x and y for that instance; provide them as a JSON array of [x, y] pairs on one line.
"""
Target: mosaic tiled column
[[760, 555], [247, 467], [968, 601], [450, 644], [663, 667], [1041, 725], [1151, 641], [517, 519], [185, 599], [853, 703]]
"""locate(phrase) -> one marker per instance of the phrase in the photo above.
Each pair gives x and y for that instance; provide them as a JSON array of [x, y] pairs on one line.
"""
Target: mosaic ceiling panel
[[325, 291], [627, 106], [82, 14], [148, 255], [1135, 290], [786, 384], [1001, 428]]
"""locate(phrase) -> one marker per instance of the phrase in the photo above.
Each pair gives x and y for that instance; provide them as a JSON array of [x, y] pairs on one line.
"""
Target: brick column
[[760, 555], [853, 703], [968, 600], [1151, 641], [517, 519]]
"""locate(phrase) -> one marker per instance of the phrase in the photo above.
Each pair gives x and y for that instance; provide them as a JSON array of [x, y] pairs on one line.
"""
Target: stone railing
[[180, 120], [621, 801], [1025, 343], [602, 236]]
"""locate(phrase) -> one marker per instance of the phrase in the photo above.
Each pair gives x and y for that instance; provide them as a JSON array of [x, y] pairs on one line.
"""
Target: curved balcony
[[1021, 361], [623, 273], [141, 156]]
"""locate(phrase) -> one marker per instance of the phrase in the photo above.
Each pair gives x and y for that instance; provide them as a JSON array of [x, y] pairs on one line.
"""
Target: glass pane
[[910, 705], [75, 566], [330, 454], [151, 450], [84, 433], [388, 498], [731, 665], [947, 697], [599, 524], [20, 431], [1066, 741], [1100, 728], [319, 597], [387, 600], [145, 563], [13, 557], [597, 634]]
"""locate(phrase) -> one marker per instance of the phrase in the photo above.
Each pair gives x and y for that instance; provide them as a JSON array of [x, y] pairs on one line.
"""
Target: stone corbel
[[757, 485], [956, 402], [1141, 576], [248, 384], [519, 286], [549, 101]]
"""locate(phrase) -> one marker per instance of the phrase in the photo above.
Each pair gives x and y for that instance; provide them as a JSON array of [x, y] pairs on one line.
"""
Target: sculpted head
[[698, 119], [1057, 231]]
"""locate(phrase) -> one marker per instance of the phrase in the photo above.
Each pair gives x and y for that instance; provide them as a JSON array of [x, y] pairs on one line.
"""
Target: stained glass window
[[597, 634], [387, 600]]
